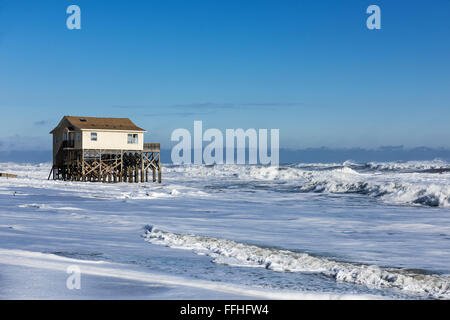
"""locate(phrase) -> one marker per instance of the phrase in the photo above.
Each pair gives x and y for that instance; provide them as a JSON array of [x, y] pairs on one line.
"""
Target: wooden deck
[[152, 147], [7, 175], [99, 165]]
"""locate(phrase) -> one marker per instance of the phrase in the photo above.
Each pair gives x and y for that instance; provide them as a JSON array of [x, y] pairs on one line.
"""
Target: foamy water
[[239, 254], [339, 229], [411, 183]]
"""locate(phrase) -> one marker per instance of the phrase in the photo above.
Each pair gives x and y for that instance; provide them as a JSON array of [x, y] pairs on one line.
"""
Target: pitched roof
[[101, 123]]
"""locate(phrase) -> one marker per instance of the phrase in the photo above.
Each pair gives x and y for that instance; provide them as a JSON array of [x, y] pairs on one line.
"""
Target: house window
[[78, 137], [93, 136], [65, 136], [132, 138]]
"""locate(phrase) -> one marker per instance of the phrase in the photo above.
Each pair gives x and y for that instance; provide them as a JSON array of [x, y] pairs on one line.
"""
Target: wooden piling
[[159, 173], [109, 166]]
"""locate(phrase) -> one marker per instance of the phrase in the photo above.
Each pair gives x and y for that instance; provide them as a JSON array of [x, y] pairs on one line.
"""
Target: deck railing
[[153, 146]]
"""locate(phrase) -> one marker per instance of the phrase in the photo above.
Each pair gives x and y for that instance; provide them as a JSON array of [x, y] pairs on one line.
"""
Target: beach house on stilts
[[103, 150]]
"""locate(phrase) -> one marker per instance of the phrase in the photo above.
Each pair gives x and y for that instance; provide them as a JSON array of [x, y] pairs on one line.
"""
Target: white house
[[103, 150], [97, 133]]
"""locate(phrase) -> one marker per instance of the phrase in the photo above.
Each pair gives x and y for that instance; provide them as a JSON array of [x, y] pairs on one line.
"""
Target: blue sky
[[310, 68]]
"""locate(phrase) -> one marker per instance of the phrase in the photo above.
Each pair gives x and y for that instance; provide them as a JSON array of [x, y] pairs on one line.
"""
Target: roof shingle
[[95, 123]]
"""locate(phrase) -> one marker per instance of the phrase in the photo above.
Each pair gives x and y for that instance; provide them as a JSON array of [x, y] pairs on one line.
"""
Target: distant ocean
[[308, 155]]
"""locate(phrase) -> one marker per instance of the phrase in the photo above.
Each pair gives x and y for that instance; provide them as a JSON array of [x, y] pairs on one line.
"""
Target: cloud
[[182, 110], [250, 105], [273, 104], [40, 122], [179, 114], [206, 105], [132, 107], [202, 108], [203, 105]]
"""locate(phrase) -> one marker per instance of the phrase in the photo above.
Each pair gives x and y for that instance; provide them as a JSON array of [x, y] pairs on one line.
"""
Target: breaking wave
[[240, 254], [396, 189], [409, 183], [435, 166]]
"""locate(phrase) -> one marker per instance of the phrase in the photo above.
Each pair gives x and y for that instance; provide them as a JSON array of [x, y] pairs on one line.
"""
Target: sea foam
[[233, 253]]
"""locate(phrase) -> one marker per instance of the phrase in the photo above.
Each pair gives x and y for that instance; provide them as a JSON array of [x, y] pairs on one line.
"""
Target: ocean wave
[[425, 183], [410, 166], [413, 190], [233, 253], [404, 188]]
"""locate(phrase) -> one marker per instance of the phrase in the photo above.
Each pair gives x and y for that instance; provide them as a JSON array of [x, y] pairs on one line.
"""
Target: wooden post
[[83, 174], [51, 172], [130, 175], [159, 172], [100, 167], [136, 174], [121, 166], [142, 167]]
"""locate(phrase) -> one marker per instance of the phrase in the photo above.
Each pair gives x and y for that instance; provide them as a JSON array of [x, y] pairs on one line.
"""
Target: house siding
[[112, 140]]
